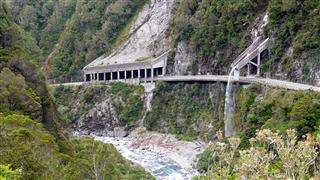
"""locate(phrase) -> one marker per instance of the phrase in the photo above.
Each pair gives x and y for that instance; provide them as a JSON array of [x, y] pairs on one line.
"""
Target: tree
[[16, 96]]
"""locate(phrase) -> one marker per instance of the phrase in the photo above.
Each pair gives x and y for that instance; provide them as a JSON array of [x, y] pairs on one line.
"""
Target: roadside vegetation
[[32, 144], [269, 156]]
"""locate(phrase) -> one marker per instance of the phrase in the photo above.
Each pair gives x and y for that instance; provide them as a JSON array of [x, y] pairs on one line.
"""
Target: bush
[[269, 156], [7, 173]]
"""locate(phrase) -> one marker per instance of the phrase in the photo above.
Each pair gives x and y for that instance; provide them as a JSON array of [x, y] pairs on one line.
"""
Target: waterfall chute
[[229, 106]]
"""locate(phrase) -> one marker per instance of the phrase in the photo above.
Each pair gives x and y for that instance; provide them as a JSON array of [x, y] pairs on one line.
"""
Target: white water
[[229, 107], [157, 163]]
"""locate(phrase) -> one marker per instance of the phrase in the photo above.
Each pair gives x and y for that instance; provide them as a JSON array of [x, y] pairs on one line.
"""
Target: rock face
[[147, 35], [183, 58], [101, 117], [190, 110], [113, 109]]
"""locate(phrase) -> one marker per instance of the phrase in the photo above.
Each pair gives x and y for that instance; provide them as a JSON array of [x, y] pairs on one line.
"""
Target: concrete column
[[118, 75], [125, 75], [111, 78], [152, 74], [248, 66], [236, 75], [104, 76], [164, 70], [258, 62], [145, 75]]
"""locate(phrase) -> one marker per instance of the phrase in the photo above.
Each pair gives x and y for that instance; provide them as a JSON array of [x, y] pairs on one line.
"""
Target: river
[[157, 163]]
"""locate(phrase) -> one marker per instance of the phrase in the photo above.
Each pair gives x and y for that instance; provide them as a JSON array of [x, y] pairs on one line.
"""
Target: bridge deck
[[222, 78], [250, 53]]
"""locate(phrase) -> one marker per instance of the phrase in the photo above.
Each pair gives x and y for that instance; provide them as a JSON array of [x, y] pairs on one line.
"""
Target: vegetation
[[270, 156], [33, 151], [295, 29], [275, 109], [7, 173], [71, 33], [127, 101], [65, 35], [31, 141], [130, 106], [217, 31], [187, 110]]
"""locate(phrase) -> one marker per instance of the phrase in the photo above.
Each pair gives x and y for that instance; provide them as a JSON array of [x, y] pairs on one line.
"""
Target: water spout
[[229, 106]]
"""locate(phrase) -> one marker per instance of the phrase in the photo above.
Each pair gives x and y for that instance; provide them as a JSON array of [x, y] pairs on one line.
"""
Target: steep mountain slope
[[70, 34], [146, 38], [31, 141], [208, 35]]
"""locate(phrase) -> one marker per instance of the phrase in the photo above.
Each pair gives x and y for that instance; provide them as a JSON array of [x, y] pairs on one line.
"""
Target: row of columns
[[255, 64], [236, 72], [124, 75]]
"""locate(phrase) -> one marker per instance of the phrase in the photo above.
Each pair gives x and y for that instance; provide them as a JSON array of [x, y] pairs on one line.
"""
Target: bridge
[[251, 58], [217, 78], [154, 71]]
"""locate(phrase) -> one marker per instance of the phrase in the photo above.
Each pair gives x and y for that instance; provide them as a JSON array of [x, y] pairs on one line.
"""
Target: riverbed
[[164, 156]]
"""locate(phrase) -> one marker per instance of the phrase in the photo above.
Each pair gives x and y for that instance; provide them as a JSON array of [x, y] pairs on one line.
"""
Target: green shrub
[[185, 110], [7, 173]]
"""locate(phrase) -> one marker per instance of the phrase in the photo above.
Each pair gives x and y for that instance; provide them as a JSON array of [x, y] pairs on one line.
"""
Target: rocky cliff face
[[189, 110], [147, 37], [112, 109]]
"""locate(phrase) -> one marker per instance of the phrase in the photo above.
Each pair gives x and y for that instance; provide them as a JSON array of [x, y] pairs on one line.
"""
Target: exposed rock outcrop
[[183, 58], [112, 109], [147, 35]]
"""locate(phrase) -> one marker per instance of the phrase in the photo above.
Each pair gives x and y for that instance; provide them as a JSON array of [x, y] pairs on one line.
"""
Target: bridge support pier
[[236, 75], [258, 63], [152, 71], [145, 75]]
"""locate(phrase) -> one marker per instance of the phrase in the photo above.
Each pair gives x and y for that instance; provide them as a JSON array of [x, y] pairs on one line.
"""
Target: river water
[[157, 163]]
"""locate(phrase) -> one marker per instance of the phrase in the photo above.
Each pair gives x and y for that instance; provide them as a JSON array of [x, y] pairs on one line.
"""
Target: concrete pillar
[[258, 62], [118, 75], [152, 74], [145, 75], [248, 73], [111, 78], [164, 70], [104, 77], [236, 75]]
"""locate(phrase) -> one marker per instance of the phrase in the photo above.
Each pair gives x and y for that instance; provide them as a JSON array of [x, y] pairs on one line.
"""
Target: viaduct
[[246, 68]]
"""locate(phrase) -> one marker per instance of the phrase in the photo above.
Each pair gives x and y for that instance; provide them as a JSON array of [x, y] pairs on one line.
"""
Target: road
[[224, 78]]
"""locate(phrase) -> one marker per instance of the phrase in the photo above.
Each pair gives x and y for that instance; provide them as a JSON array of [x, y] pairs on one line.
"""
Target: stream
[[157, 163]]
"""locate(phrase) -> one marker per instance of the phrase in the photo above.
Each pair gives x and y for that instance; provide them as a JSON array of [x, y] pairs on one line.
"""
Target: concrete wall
[[142, 71]]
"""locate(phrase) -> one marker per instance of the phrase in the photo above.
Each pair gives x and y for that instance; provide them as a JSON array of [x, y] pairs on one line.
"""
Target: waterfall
[[229, 107]]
